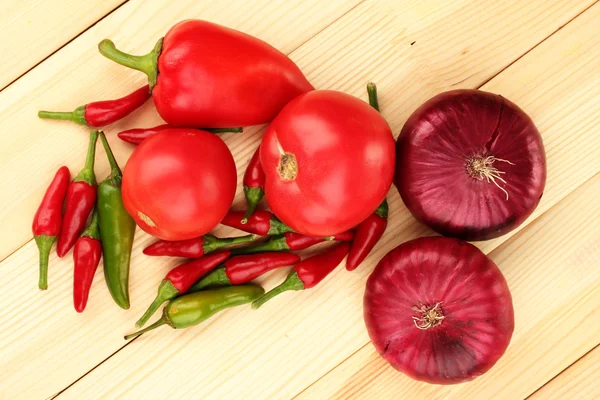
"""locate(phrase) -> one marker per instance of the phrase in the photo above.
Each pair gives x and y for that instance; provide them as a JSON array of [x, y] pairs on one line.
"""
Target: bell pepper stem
[[292, 282], [77, 115], [44, 244], [223, 130], [115, 172], [372, 92], [253, 196], [160, 322], [147, 64], [87, 173], [166, 291]]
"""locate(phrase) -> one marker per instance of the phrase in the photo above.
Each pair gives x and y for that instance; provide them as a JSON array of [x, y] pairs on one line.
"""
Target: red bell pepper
[[102, 113], [193, 248], [86, 255], [243, 269], [308, 273], [180, 279], [138, 135], [259, 223], [48, 220], [206, 75], [81, 198], [254, 183], [367, 235], [291, 241]]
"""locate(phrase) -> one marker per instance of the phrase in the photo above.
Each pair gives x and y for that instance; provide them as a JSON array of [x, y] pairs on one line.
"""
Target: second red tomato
[[329, 162], [179, 183]]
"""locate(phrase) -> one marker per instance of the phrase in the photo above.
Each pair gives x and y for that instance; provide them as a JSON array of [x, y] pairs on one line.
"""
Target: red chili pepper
[[308, 273], [242, 269], [367, 235], [181, 278], [138, 135], [86, 255], [193, 248], [259, 223], [291, 241], [254, 183], [102, 113], [81, 198], [48, 220], [203, 74]]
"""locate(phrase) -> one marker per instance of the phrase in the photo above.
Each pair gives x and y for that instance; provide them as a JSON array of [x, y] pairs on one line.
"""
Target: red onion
[[470, 164], [439, 310]]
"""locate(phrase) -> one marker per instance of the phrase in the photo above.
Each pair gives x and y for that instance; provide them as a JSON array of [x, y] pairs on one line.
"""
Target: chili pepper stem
[[274, 244], [44, 244], [253, 195], [166, 291], [115, 172], [212, 243], [278, 227], [92, 230], [372, 92], [223, 130], [77, 115], [382, 210], [292, 282], [87, 173], [160, 322], [147, 64], [218, 277]]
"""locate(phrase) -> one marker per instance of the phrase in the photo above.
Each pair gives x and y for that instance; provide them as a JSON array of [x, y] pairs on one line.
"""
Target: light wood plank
[[276, 352], [31, 30], [552, 271], [47, 350], [580, 381]]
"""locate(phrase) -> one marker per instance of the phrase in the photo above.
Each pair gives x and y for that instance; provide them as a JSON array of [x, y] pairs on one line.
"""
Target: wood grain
[[31, 30], [552, 270], [52, 346], [580, 381], [278, 351]]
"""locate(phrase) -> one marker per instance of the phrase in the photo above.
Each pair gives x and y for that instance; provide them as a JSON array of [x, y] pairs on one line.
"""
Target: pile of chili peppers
[[91, 217]]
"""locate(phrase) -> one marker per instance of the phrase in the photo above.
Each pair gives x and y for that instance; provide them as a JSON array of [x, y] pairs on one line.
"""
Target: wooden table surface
[[542, 54]]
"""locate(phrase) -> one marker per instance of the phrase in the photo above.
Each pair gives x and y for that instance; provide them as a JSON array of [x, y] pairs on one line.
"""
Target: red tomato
[[329, 161], [179, 183]]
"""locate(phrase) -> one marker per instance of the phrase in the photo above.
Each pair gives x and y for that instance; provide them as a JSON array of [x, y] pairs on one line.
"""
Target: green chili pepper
[[193, 308], [116, 231]]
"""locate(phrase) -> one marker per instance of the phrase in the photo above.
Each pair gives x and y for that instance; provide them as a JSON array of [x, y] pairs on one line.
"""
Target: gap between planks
[[54, 52]]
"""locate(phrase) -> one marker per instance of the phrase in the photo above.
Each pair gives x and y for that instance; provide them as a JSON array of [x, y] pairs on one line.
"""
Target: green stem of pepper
[[166, 292], [77, 115], [160, 322], [372, 91], [292, 282], [115, 172], [147, 64], [253, 195], [92, 230], [223, 130], [87, 174], [215, 278], [44, 244]]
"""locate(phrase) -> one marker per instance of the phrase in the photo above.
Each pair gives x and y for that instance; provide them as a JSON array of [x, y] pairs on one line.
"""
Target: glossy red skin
[[210, 75], [48, 217], [431, 173], [474, 299], [366, 237], [313, 270], [138, 135], [183, 276], [297, 241], [80, 201], [183, 180], [244, 268], [345, 154], [190, 248], [254, 176], [86, 255], [102, 113], [259, 223]]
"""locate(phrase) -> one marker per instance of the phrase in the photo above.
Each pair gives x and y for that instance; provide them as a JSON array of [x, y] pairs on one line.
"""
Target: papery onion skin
[[473, 297], [433, 150]]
